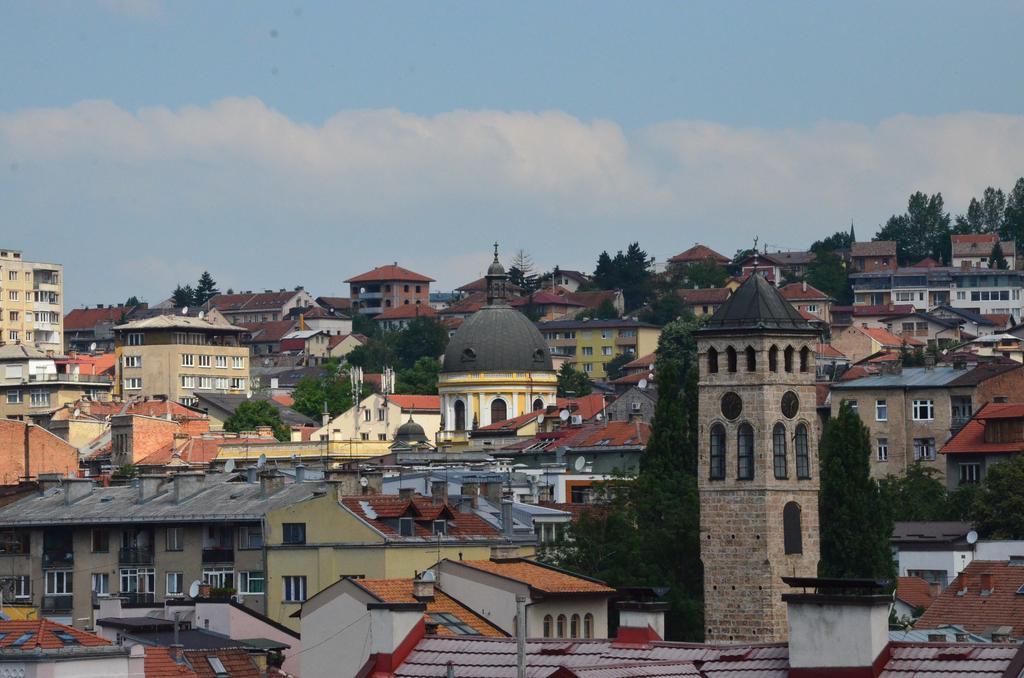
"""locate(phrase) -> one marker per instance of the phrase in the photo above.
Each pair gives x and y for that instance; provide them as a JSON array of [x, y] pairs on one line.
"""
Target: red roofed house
[[995, 433], [378, 418], [857, 342], [385, 287], [876, 255], [246, 308], [698, 253], [545, 306], [984, 599], [809, 299], [704, 301], [171, 662], [398, 317], [40, 647], [84, 327], [973, 250], [913, 596]]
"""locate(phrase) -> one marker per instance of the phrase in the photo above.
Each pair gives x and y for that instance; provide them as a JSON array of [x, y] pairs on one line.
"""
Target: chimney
[[504, 552], [177, 653], [641, 622], [187, 485], [492, 492], [986, 583], [300, 473], [803, 285], [270, 482], [48, 481], [423, 586], [406, 493], [149, 486], [265, 431], [251, 473], [471, 490], [76, 488], [929, 361], [832, 629], [27, 449], [507, 522], [439, 491], [374, 482]]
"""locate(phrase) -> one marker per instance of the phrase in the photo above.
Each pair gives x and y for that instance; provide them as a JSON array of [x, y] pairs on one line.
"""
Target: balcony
[[66, 378], [58, 559], [218, 555], [135, 557], [61, 603], [135, 598]]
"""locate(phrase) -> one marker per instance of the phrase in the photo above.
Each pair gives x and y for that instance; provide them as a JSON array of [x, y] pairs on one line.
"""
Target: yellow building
[[378, 417], [31, 302], [590, 344], [496, 367]]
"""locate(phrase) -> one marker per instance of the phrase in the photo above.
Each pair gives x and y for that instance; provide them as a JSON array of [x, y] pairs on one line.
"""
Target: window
[[237, 383], [237, 362], [924, 449], [221, 361], [538, 404], [16, 586], [100, 541], [382, 437], [852, 404], [606, 350], [251, 582], [587, 367], [175, 539], [13, 315], [773, 359], [133, 383], [364, 436], [882, 449], [219, 577], [751, 355], [39, 398], [406, 527], [730, 357], [12, 295], [962, 409], [588, 625], [970, 474], [58, 582], [138, 580], [440, 528], [779, 450], [101, 584], [180, 338], [940, 577], [175, 583], [792, 539], [12, 275], [14, 397], [15, 542], [788, 358], [294, 533], [133, 361], [12, 335], [205, 382], [549, 623], [460, 415], [188, 381], [188, 359], [367, 415], [745, 452], [803, 454], [805, 359], [499, 410], [574, 626], [561, 626], [588, 350], [606, 334], [250, 537], [222, 383], [881, 410], [924, 410], [381, 413], [294, 589], [712, 361], [452, 623]]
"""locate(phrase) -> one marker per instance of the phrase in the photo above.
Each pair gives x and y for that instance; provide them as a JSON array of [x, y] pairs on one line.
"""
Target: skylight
[[65, 637], [23, 638], [217, 665], [453, 624]]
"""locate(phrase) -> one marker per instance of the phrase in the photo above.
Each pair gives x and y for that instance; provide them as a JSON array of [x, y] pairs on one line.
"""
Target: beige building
[[31, 302], [33, 384], [377, 418], [179, 356]]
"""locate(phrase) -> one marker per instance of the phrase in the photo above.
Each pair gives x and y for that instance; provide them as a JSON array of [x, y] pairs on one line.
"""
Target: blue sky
[[279, 143]]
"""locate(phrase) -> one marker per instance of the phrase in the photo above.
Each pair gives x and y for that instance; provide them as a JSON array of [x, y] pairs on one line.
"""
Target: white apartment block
[[31, 302]]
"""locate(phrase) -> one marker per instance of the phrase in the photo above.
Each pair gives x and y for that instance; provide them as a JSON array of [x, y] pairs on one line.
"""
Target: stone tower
[[758, 462]]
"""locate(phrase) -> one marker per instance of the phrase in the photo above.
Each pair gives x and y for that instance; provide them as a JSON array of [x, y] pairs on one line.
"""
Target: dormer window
[[440, 528], [406, 527]]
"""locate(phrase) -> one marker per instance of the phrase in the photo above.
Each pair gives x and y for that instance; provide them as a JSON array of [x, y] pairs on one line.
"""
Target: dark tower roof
[[410, 432], [757, 306]]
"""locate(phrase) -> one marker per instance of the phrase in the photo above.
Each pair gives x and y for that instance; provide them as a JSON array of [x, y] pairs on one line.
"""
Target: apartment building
[[980, 290], [808, 299], [31, 302], [33, 384], [911, 412], [386, 287], [260, 307], [589, 344], [378, 417], [177, 356], [873, 256], [975, 250]]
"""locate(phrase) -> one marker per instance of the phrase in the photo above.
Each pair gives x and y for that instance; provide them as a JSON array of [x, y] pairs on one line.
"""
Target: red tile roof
[[586, 407], [382, 513], [592, 298], [889, 340], [417, 403], [915, 592], [147, 408], [974, 238], [340, 303], [252, 301], [406, 311], [545, 299], [698, 253], [971, 437], [539, 577], [643, 362], [800, 291], [1000, 319], [43, 637], [874, 248], [978, 613], [237, 662], [285, 400], [270, 331], [634, 378], [88, 318], [480, 285], [387, 273], [595, 434], [160, 664], [705, 295], [927, 262], [196, 451], [338, 338], [400, 591], [828, 351], [879, 310]]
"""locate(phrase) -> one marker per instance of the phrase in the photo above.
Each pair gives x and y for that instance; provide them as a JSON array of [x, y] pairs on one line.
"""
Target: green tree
[[572, 382], [422, 338], [132, 301], [855, 522], [613, 368], [253, 413], [918, 494], [206, 289], [828, 273], [606, 274], [664, 308], [923, 231], [331, 387], [376, 354], [183, 296], [630, 271], [604, 311], [700, 274], [998, 510], [420, 379], [985, 215], [840, 240], [365, 325], [1013, 217], [996, 259]]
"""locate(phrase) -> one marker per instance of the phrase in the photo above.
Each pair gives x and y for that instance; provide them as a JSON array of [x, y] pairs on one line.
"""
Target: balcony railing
[[65, 377], [218, 555], [58, 558], [135, 557], [138, 598], [57, 603]]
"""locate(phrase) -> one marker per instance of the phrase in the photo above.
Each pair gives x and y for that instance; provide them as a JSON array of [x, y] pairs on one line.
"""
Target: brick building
[[876, 255], [23, 444], [386, 287]]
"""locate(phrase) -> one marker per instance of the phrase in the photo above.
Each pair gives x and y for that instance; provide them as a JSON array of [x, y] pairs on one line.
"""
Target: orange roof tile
[[285, 400], [974, 238], [406, 311], [160, 664], [971, 437], [43, 635], [915, 591], [540, 577], [237, 662], [88, 318], [829, 351], [643, 362], [698, 253], [391, 272], [381, 512], [704, 295], [417, 403], [400, 591], [1002, 606], [888, 339], [796, 291]]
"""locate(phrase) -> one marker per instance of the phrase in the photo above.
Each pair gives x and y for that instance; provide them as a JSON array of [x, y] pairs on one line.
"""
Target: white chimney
[[641, 622]]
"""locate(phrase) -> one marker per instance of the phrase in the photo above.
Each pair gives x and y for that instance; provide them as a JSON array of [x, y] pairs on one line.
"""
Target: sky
[[291, 143]]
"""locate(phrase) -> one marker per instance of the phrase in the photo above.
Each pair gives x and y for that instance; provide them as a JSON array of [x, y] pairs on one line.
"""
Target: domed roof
[[755, 307], [410, 432], [495, 268], [497, 338]]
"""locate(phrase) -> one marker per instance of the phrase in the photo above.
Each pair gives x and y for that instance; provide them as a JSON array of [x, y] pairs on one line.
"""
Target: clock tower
[[758, 461]]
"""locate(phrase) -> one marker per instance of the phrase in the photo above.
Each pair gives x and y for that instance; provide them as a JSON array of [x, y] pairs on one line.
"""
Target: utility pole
[[520, 636]]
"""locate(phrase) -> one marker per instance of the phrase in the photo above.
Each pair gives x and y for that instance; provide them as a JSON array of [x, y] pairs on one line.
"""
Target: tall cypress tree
[[206, 289], [856, 522]]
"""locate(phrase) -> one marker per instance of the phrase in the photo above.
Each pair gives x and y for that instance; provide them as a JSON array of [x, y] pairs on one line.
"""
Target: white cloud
[[378, 185]]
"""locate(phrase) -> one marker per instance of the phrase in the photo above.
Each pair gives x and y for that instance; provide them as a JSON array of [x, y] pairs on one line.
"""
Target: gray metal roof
[[497, 339], [218, 500], [230, 402], [757, 306], [910, 377]]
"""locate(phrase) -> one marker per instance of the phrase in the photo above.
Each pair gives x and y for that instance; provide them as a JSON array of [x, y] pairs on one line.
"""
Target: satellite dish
[[77, 412], [650, 375], [599, 416], [92, 347], [184, 310], [229, 466], [294, 457], [364, 481], [262, 461], [564, 415], [642, 384], [972, 537], [201, 315], [193, 589], [540, 418], [580, 463]]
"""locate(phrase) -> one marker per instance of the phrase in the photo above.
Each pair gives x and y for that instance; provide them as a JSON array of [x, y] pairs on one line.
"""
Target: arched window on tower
[[538, 404], [712, 360], [745, 452], [499, 410], [460, 415], [779, 450], [792, 539], [773, 359], [789, 358], [574, 626], [549, 624], [561, 626], [717, 456], [751, 359], [588, 625], [803, 454], [805, 359], [730, 357]]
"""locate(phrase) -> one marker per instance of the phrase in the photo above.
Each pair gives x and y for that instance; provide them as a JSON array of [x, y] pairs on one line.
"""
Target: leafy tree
[[606, 275], [983, 216], [253, 413], [206, 289], [132, 301], [919, 494], [923, 231], [827, 272], [572, 382], [855, 522], [613, 368], [331, 387], [604, 311], [960, 502], [1013, 217], [700, 274], [677, 342], [998, 509], [996, 259], [183, 296], [365, 325], [421, 378], [840, 240], [422, 337], [630, 271], [664, 308]]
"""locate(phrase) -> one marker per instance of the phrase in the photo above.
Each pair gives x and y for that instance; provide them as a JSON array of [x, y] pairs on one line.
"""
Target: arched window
[[460, 415], [712, 360], [792, 539], [561, 626], [588, 625], [717, 471], [789, 358], [538, 404], [574, 626], [779, 450], [751, 359], [549, 623], [499, 410], [805, 359], [745, 452], [803, 454], [730, 357], [773, 359]]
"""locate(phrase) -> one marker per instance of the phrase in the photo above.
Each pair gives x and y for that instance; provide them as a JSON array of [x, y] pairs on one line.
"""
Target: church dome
[[410, 432], [497, 338]]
